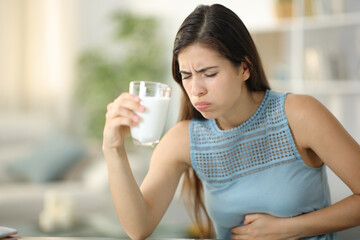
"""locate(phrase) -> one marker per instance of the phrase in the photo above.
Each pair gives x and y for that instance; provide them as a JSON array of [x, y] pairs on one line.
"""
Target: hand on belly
[[263, 226]]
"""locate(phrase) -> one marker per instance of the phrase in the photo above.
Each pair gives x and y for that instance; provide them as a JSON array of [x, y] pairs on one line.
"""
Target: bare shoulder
[[180, 127], [298, 106], [179, 134], [176, 144], [306, 111], [308, 118]]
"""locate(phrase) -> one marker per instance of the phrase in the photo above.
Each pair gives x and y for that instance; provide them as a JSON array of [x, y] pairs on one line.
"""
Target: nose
[[198, 89]]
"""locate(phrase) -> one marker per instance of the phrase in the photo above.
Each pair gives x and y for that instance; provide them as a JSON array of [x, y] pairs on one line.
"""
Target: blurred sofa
[[40, 164], [55, 184]]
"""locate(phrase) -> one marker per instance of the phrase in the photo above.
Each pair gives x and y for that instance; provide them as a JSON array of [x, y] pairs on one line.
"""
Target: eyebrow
[[200, 70]]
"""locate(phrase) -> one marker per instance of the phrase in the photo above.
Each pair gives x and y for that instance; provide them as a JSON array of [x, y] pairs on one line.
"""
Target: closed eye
[[210, 75], [186, 77], [185, 74]]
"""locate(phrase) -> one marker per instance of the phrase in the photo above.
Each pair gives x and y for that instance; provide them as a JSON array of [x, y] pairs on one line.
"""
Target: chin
[[208, 115]]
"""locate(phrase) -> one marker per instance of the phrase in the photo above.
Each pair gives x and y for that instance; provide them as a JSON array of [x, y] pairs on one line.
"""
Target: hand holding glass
[[155, 97]]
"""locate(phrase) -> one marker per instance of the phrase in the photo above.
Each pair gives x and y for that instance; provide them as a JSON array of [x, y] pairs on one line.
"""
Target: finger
[[122, 113], [249, 218], [131, 105], [125, 100], [129, 101], [117, 123], [125, 95], [239, 230], [237, 236], [125, 106]]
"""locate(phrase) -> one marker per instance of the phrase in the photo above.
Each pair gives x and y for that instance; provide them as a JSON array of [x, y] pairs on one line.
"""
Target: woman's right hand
[[120, 116]]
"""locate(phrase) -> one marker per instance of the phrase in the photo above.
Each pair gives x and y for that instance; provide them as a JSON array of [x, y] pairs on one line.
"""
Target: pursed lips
[[202, 106]]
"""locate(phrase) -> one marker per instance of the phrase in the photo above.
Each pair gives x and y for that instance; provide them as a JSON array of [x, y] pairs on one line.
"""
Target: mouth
[[202, 106]]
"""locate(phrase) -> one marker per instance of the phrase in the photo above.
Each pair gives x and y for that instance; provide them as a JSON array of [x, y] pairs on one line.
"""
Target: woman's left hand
[[263, 226]]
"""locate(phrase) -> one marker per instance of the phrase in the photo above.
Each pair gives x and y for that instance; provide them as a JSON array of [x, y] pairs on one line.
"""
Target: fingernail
[[137, 99], [136, 118], [133, 123], [142, 108]]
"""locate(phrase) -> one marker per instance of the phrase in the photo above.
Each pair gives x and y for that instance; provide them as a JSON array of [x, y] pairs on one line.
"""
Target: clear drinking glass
[[155, 97]]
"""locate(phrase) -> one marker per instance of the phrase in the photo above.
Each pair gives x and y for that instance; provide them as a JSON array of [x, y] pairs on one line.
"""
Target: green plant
[[102, 77]]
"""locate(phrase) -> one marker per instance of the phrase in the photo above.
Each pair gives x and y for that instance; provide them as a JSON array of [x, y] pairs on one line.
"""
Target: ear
[[244, 69]]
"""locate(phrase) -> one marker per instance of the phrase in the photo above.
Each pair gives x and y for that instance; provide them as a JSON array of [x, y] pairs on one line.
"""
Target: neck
[[247, 106]]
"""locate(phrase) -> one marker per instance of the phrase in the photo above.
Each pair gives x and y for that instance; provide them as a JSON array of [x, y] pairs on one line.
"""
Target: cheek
[[231, 93], [186, 87]]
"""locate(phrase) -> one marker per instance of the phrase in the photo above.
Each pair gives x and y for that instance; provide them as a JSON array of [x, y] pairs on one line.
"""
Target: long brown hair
[[219, 28]]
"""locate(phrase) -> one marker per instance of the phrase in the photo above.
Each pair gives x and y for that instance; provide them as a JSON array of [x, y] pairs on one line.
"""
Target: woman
[[259, 155]]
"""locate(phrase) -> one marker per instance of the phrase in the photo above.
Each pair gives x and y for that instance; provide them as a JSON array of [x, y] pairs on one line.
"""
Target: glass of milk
[[155, 97]]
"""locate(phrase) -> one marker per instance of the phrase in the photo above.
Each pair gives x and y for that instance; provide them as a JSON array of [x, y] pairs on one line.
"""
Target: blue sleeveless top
[[255, 168]]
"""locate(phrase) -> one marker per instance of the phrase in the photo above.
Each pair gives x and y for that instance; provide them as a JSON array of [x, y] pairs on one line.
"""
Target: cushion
[[49, 161]]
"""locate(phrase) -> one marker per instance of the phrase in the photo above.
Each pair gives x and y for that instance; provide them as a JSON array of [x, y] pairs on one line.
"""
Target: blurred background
[[63, 61]]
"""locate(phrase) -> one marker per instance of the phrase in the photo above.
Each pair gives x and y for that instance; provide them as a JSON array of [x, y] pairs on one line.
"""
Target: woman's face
[[214, 85]]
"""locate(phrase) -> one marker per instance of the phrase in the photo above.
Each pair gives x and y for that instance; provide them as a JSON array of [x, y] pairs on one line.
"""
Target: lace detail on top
[[262, 142]]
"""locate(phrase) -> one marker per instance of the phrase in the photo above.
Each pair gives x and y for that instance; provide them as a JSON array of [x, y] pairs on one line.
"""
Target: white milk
[[149, 129]]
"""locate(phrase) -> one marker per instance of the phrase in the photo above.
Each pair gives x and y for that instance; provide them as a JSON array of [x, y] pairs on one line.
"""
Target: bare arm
[[318, 132], [140, 209]]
